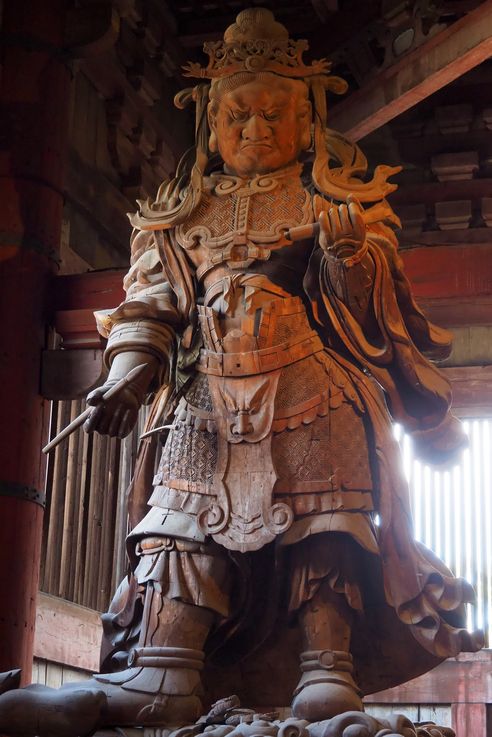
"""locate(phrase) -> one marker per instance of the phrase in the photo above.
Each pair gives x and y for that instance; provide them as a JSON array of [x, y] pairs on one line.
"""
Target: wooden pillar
[[469, 719], [34, 98]]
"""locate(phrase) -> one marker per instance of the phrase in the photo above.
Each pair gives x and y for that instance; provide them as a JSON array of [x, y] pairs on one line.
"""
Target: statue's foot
[[161, 690], [322, 701], [145, 699], [38, 711], [326, 687]]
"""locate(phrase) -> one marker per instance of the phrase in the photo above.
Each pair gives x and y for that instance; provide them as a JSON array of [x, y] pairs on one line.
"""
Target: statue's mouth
[[256, 144]]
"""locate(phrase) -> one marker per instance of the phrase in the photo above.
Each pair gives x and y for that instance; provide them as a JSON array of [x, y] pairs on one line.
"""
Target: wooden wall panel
[[55, 675], [67, 633]]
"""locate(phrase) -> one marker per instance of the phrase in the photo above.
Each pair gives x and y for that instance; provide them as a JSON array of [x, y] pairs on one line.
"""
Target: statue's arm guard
[[147, 321], [351, 280]]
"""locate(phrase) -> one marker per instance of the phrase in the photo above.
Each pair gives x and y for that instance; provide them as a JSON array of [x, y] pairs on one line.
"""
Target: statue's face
[[261, 127]]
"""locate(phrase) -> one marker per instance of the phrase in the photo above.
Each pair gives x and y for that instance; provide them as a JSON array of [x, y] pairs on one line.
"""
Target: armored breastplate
[[239, 221]]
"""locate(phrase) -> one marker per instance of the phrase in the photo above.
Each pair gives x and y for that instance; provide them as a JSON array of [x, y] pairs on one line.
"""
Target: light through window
[[452, 513]]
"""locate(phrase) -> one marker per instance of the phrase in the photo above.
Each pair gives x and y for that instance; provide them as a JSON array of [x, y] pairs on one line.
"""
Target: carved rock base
[[82, 709], [225, 720]]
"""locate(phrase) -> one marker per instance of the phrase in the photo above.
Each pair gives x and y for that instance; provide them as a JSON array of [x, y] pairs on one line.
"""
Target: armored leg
[[161, 685], [182, 585]]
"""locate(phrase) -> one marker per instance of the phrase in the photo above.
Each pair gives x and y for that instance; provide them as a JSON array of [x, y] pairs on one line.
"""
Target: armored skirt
[[267, 444]]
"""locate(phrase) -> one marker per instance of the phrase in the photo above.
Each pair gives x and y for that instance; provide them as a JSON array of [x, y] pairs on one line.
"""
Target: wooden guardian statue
[[267, 302]]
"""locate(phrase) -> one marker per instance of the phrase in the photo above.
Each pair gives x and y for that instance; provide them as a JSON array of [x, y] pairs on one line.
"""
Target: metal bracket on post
[[20, 491]]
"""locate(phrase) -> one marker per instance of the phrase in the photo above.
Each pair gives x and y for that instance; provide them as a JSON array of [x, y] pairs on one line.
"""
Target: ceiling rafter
[[454, 51]]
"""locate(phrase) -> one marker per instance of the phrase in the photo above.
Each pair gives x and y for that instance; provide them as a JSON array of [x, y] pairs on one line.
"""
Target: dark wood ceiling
[[196, 19], [359, 36]]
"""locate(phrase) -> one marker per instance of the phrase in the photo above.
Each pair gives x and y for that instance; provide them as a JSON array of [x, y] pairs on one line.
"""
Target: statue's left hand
[[342, 229]]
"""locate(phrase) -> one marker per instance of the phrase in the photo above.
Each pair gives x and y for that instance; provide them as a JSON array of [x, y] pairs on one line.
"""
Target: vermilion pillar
[[34, 97]]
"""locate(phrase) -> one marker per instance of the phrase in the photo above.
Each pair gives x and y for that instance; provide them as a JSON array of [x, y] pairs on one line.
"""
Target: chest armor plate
[[239, 221]]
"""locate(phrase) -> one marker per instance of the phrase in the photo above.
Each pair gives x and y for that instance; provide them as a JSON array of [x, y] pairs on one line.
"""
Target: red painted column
[[34, 98]]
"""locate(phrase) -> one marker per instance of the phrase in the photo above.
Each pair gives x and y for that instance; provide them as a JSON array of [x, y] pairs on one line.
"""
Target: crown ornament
[[256, 42]]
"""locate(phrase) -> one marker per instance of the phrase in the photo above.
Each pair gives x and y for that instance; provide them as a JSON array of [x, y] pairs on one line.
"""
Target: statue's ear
[[305, 116], [212, 141]]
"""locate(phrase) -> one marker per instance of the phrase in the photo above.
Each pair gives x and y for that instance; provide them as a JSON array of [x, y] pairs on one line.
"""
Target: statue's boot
[[326, 687], [160, 686]]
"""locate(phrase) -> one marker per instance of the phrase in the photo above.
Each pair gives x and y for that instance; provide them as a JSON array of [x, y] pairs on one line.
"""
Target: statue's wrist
[[347, 252], [122, 363], [357, 256]]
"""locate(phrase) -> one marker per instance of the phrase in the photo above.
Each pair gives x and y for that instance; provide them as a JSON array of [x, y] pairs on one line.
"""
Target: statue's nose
[[255, 129]]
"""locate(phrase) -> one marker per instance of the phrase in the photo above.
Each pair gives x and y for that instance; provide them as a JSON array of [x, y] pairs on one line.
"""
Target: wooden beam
[[458, 313], [429, 193], [69, 634], [439, 61], [462, 680], [78, 329], [472, 390], [462, 237], [449, 271], [436, 273], [95, 290], [452, 284]]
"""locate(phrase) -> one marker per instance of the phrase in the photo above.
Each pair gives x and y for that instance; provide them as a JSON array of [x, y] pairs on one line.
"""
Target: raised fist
[[342, 229], [116, 417]]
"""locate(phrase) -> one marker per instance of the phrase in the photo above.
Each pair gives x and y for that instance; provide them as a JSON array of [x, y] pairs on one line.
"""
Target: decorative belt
[[261, 361], [238, 255]]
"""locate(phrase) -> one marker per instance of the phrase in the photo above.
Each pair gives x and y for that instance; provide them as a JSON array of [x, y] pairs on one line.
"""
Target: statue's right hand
[[115, 417]]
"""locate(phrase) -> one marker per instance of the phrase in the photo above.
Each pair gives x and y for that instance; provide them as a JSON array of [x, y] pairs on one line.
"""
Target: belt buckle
[[232, 364]]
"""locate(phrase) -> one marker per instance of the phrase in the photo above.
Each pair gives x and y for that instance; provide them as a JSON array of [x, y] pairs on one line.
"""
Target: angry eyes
[[242, 116]]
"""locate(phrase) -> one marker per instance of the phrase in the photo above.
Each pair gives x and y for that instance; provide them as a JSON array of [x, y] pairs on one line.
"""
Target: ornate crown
[[256, 42]]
